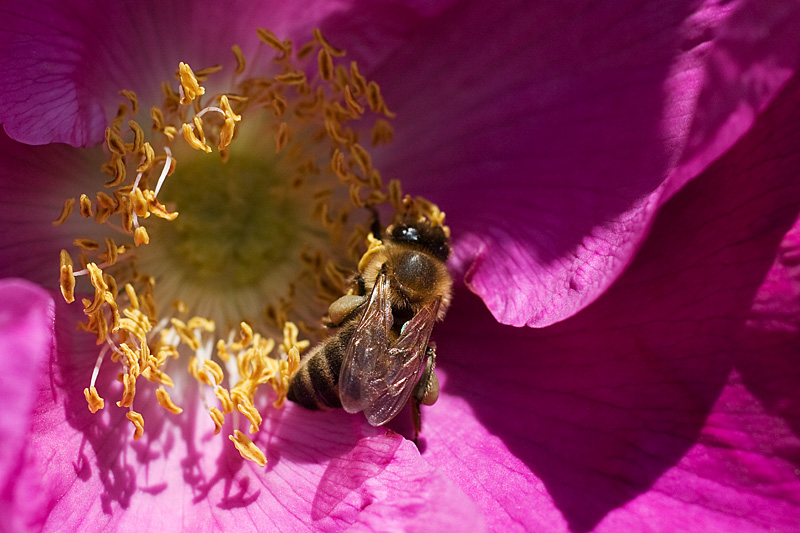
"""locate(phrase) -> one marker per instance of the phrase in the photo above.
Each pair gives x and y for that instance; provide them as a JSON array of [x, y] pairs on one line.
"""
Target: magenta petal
[[551, 133], [325, 471], [62, 68], [26, 340], [671, 403]]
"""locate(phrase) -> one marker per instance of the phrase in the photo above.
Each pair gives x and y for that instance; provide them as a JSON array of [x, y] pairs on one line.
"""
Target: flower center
[[222, 259]]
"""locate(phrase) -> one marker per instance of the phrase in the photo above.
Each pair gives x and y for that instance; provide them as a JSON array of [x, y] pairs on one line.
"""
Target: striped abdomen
[[316, 383]]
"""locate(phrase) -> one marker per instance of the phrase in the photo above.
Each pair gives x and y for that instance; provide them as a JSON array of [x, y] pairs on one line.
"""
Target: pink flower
[[620, 177]]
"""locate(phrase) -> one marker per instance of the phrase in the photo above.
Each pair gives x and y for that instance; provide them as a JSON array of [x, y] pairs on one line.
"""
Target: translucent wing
[[396, 374], [367, 348]]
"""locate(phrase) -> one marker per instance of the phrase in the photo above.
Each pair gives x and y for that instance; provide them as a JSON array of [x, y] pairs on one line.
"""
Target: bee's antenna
[[375, 224]]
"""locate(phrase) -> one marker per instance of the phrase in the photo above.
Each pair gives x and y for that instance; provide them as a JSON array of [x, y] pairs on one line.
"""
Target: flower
[[623, 174]]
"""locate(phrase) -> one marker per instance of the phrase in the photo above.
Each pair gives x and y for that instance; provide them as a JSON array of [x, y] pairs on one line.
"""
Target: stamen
[[289, 266], [240, 61], [247, 448], [190, 87], [65, 212], [166, 402], [93, 399], [138, 423]]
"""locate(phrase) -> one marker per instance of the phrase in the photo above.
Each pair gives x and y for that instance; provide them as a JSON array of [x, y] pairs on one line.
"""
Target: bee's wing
[[390, 387], [367, 348]]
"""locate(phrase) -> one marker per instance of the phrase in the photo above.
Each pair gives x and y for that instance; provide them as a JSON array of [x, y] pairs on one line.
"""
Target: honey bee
[[381, 355]]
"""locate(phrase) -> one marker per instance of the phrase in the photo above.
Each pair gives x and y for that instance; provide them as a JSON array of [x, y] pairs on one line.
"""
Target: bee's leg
[[426, 391]]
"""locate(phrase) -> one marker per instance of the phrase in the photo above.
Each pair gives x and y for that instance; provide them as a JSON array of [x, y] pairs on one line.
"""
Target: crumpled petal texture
[[64, 67], [26, 340], [565, 143], [573, 131], [551, 133], [671, 403]]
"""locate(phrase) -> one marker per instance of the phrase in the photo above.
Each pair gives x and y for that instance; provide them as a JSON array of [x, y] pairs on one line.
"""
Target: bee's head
[[423, 236]]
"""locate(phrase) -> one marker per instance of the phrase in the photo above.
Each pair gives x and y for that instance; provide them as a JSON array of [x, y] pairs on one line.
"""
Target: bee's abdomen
[[316, 384]]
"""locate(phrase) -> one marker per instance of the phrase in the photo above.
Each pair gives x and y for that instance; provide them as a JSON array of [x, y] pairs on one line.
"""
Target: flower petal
[[26, 337], [669, 401], [551, 133], [324, 470], [36, 181], [63, 69]]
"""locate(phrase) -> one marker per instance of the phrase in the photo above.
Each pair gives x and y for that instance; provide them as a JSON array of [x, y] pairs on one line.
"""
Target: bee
[[381, 355]]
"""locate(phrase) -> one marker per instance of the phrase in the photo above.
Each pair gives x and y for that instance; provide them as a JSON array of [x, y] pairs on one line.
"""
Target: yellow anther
[[395, 194], [290, 332], [157, 376], [158, 118], [224, 399], [129, 384], [186, 335], [140, 236], [240, 61], [93, 399], [325, 62], [271, 39], [114, 142], [203, 74], [131, 359], [86, 244], [218, 418], [149, 155], [351, 102], [222, 352], [325, 44], [106, 202], [226, 134], [246, 337], [210, 367], [129, 290], [247, 448], [170, 132], [225, 105], [291, 78], [125, 211], [193, 140], [86, 206], [191, 87], [198, 322], [138, 423], [138, 136], [281, 137], [362, 157], [131, 96], [279, 104], [156, 208], [166, 402], [116, 123], [96, 277], [65, 212], [252, 414], [138, 203], [112, 252], [359, 81], [118, 171]]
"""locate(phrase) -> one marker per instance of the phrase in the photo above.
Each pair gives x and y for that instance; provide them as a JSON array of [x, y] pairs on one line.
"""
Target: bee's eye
[[403, 233]]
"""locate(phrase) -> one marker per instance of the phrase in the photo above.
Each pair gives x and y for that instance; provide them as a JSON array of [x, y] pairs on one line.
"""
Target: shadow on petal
[[601, 405]]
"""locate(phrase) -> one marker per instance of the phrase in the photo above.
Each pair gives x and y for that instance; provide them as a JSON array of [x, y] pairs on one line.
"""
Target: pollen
[[213, 275], [247, 448]]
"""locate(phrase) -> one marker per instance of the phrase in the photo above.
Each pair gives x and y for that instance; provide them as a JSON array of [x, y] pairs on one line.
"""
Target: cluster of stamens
[[321, 154]]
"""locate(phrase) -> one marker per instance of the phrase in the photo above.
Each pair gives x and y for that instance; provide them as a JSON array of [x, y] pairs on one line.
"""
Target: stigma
[[226, 223]]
